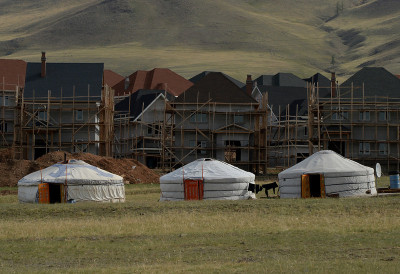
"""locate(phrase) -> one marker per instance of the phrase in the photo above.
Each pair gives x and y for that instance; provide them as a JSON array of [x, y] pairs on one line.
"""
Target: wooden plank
[[388, 190]]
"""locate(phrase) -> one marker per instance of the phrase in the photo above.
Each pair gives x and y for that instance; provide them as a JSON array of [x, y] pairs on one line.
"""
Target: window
[[384, 116], [42, 115], [339, 114], [5, 101], [238, 119], [3, 127], [202, 144], [80, 146], [364, 149], [79, 115], [305, 131], [364, 116], [198, 118], [151, 128], [383, 148]]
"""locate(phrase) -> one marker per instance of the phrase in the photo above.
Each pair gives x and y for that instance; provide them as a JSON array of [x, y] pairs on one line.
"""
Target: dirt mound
[[132, 171], [12, 170]]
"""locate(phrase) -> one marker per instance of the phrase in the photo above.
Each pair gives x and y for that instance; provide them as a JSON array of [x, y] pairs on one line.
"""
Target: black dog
[[269, 186]]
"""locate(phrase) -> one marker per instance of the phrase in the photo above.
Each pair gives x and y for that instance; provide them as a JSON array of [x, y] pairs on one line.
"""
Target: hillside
[[234, 36]]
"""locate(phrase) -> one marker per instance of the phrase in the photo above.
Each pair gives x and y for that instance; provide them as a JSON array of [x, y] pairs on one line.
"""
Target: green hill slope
[[234, 36]]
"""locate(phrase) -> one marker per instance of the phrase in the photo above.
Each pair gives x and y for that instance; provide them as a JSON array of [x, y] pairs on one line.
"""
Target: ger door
[[312, 186], [193, 189]]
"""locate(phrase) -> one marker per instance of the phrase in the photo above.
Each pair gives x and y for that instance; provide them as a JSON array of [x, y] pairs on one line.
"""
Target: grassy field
[[144, 235]]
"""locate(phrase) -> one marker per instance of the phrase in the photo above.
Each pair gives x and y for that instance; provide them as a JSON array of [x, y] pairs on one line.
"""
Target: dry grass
[[236, 37], [144, 235]]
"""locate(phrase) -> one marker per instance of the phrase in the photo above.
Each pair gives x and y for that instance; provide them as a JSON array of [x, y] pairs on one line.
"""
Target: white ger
[[207, 179], [326, 173], [72, 181]]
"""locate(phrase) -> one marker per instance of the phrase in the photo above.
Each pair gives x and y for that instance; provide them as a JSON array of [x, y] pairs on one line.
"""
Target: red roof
[[12, 74], [111, 78], [398, 76], [158, 78]]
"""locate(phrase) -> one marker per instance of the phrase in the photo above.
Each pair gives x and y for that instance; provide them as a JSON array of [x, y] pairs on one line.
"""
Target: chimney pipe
[[43, 73], [333, 84], [127, 82], [249, 85]]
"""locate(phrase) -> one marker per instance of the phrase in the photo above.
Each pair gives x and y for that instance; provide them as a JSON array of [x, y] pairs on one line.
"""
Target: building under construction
[[212, 119], [67, 107], [12, 81], [360, 119], [255, 135], [64, 106]]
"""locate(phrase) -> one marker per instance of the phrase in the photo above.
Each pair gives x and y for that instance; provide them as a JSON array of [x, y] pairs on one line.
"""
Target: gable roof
[[84, 78], [377, 81], [284, 96], [156, 79], [12, 74], [322, 82], [280, 80], [136, 102], [264, 80], [286, 89], [319, 79], [217, 87], [111, 78], [289, 80], [201, 75], [232, 127]]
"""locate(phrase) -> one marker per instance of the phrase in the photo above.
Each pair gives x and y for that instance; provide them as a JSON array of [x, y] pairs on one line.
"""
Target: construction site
[[358, 127], [363, 128], [45, 124], [179, 138], [165, 134]]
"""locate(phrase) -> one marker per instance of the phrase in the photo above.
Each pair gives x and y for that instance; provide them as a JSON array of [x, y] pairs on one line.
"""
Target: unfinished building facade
[[12, 80], [215, 119], [140, 126], [361, 119], [64, 106]]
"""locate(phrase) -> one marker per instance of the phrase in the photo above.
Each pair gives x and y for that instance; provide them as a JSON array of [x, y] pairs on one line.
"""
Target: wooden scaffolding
[[363, 128], [81, 123], [218, 119], [7, 111], [274, 141], [143, 137]]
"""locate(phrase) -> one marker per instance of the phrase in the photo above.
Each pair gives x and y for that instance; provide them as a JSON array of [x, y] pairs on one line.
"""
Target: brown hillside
[[132, 171], [189, 36]]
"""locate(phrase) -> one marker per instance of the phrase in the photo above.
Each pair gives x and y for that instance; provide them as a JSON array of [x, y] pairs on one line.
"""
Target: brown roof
[[215, 87], [111, 78], [158, 78], [12, 74]]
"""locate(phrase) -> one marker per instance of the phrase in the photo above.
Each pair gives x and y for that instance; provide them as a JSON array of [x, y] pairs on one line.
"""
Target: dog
[[269, 186]]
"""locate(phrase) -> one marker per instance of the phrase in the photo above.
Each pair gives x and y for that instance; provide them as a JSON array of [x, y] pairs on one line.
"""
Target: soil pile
[[13, 170], [131, 170]]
